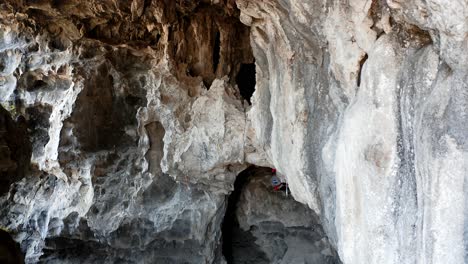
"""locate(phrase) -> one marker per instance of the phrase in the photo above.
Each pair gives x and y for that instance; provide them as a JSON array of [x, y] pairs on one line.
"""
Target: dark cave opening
[[216, 51], [10, 252], [245, 80], [258, 226], [15, 150], [233, 237], [37, 84]]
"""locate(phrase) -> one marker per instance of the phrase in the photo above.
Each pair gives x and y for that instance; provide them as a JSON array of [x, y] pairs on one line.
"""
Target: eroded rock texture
[[132, 155], [126, 124]]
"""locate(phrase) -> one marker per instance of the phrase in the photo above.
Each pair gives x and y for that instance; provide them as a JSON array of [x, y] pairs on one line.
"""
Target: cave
[[234, 238], [245, 80], [125, 124], [258, 229]]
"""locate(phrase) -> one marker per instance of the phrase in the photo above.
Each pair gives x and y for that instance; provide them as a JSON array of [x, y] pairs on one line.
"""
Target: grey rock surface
[[124, 124]]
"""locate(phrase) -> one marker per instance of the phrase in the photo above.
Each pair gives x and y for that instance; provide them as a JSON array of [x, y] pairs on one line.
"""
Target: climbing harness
[[278, 184]]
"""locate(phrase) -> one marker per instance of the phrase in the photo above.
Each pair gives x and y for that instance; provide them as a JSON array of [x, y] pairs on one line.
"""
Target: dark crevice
[[38, 84], [216, 51], [154, 41], [361, 64], [245, 80], [58, 44], [206, 83], [10, 252], [146, 4], [375, 11], [233, 236], [15, 150]]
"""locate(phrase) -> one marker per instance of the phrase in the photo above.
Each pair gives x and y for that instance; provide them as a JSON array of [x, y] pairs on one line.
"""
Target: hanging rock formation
[[124, 124]]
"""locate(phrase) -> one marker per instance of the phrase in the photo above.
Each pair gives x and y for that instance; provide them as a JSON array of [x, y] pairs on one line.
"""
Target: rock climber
[[277, 183]]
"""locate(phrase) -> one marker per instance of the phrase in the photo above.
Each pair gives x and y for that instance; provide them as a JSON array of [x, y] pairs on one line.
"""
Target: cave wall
[[136, 138], [135, 129]]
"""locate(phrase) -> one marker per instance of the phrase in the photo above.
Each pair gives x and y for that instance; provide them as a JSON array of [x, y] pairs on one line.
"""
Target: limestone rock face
[[124, 125], [363, 114], [132, 155]]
